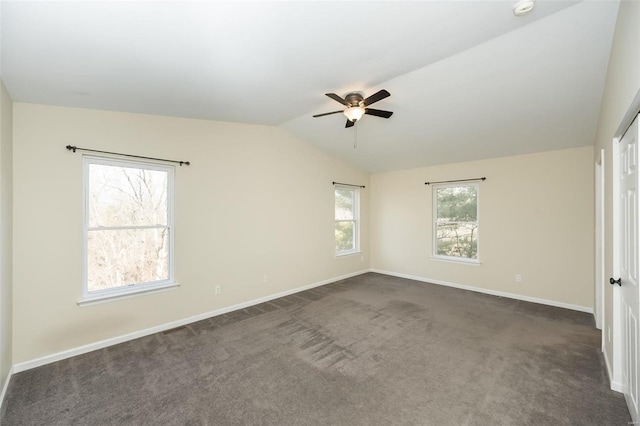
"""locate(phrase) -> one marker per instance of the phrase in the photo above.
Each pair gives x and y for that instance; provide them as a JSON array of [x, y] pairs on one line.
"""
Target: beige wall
[[536, 219], [623, 82], [255, 201], [6, 160]]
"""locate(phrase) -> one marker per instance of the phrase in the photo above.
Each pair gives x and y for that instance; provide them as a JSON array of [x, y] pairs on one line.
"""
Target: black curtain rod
[[75, 148], [459, 180], [348, 184]]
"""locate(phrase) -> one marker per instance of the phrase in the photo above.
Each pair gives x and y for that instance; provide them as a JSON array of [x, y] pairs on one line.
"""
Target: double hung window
[[128, 227], [456, 222], [347, 200]]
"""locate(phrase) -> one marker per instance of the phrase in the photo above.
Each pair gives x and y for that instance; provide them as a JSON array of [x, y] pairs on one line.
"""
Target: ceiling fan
[[357, 106]]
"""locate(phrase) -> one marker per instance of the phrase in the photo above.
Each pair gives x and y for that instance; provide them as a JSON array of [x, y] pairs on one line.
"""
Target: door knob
[[614, 282]]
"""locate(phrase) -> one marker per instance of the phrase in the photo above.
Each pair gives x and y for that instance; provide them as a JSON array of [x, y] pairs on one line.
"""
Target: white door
[[630, 300]]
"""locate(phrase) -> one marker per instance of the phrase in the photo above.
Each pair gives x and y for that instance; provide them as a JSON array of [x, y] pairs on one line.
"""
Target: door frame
[[617, 382], [598, 312]]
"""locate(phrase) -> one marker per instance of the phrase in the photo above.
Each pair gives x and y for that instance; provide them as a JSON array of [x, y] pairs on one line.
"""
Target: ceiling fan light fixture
[[523, 7], [357, 106], [354, 113]]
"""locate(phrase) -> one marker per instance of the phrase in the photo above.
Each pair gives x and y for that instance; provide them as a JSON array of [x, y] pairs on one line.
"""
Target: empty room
[[319, 212]]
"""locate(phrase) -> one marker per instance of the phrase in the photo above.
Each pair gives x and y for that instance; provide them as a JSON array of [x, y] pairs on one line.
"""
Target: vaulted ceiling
[[468, 79]]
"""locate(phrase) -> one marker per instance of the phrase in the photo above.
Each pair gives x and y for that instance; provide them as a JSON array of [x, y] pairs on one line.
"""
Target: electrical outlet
[[218, 289], [518, 278], [265, 279]]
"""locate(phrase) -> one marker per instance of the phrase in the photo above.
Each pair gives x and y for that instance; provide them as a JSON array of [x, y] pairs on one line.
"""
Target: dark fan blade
[[327, 113], [349, 124], [376, 97], [337, 98], [378, 112]]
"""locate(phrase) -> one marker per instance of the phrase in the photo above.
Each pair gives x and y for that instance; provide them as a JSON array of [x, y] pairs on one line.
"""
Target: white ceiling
[[468, 79]]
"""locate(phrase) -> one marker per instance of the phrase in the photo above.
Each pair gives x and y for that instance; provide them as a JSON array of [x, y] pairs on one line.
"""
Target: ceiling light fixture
[[523, 7], [354, 113]]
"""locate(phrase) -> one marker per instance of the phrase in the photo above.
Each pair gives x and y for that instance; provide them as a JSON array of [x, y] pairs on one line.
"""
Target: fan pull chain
[[355, 137]]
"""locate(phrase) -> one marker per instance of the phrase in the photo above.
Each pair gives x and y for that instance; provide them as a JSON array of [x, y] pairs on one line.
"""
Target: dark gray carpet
[[370, 350]]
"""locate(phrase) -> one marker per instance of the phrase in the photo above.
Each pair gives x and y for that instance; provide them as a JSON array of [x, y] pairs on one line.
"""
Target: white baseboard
[[4, 389], [48, 359], [487, 291], [615, 386]]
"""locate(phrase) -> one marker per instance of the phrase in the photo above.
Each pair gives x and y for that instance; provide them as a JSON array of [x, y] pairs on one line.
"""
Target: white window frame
[[356, 219], [434, 246], [125, 291]]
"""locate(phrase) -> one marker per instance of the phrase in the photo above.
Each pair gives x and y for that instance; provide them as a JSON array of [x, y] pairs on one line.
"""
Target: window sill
[[110, 297], [456, 261], [350, 253]]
